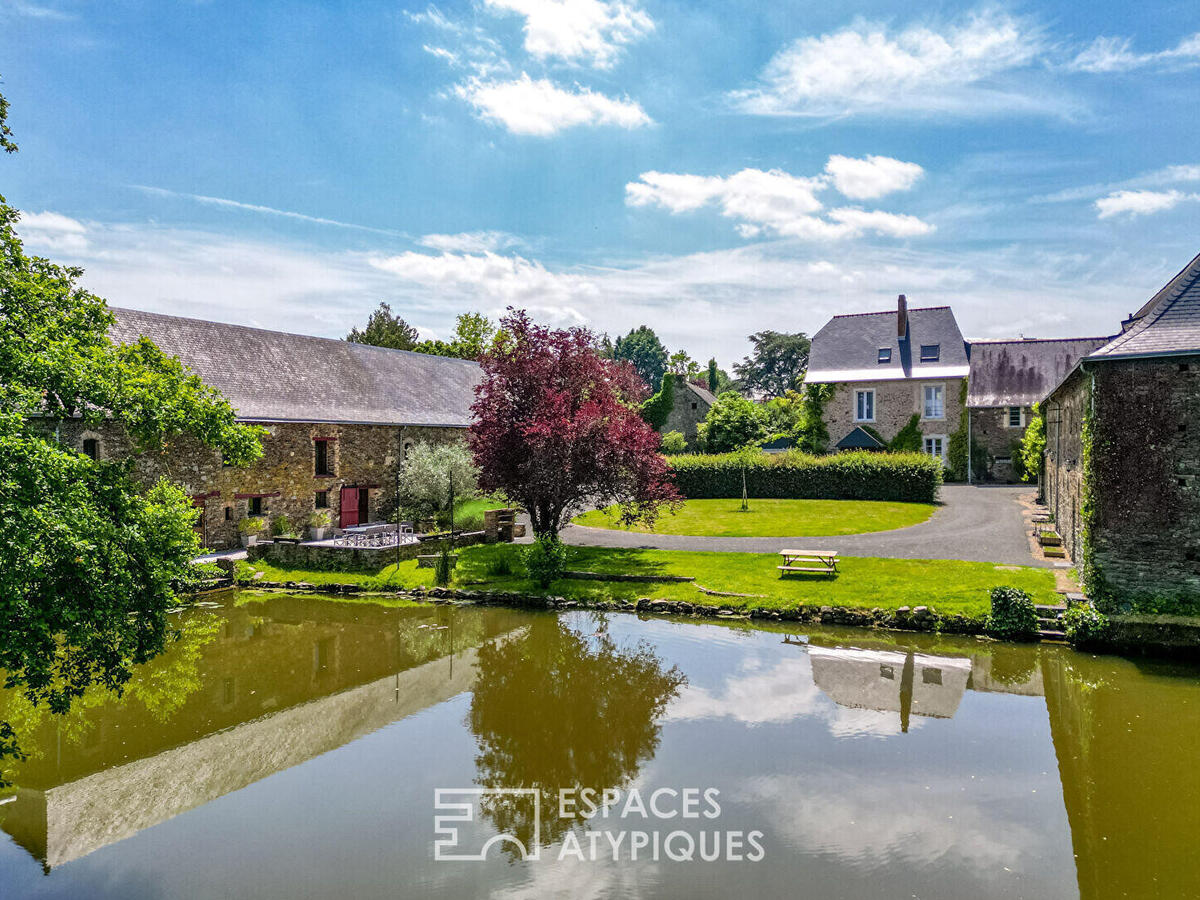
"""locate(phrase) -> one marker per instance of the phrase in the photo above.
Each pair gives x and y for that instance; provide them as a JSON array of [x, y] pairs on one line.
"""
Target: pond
[[295, 747]]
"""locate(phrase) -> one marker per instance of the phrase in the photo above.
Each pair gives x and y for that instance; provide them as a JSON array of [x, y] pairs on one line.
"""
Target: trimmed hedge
[[905, 477]]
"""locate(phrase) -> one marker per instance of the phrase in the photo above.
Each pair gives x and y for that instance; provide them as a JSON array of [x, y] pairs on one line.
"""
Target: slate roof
[[1021, 373], [860, 439], [272, 376], [706, 396], [1168, 324], [847, 348]]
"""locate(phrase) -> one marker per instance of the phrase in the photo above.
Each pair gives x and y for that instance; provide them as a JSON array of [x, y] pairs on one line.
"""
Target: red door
[[349, 507]]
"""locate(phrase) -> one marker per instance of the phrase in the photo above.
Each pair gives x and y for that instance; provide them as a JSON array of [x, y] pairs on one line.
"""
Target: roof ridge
[[1099, 337], [311, 337], [887, 312]]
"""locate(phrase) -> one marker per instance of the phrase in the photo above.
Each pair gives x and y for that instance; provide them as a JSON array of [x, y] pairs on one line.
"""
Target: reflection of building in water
[[909, 683], [1125, 736], [281, 682]]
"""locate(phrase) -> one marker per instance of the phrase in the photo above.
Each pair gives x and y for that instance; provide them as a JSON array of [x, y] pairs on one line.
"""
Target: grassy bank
[[776, 518], [946, 585]]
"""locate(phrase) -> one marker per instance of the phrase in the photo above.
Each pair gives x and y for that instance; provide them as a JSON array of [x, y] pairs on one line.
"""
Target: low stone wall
[[1172, 635], [322, 556]]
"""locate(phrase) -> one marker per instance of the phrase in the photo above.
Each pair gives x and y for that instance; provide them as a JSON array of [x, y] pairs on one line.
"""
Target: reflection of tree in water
[[162, 685], [1013, 664], [560, 708]]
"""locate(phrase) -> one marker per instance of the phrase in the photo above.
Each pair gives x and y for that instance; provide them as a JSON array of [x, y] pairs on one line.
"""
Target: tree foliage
[[642, 349], [812, 435], [673, 442], [385, 329], [556, 426], [473, 334], [733, 422], [776, 365], [1033, 445], [425, 481], [6, 141], [90, 560]]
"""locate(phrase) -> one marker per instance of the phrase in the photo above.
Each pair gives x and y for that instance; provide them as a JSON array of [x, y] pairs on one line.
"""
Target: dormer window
[[931, 352], [885, 355]]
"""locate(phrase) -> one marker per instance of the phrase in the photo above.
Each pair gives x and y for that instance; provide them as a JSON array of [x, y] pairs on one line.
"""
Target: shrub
[[910, 477], [252, 525], [444, 566], [425, 487], [674, 442], [733, 421], [546, 560], [1013, 614], [281, 525], [499, 566], [320, 518], [1085, 625], [1033, 445]]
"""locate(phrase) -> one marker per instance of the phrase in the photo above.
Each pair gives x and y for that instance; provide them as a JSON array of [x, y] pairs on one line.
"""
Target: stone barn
[[691, 407], [339, 419], [1122, 461]]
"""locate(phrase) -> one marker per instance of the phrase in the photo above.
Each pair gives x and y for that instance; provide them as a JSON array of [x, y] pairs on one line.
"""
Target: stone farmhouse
[[339, 419], [692, 404], [890, 366], [1122, 462], [1007, 378]]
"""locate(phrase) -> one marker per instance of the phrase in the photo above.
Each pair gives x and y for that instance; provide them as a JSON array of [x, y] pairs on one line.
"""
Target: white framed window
[[935, 446], [934, 406], [864, 405], [1015, 416]]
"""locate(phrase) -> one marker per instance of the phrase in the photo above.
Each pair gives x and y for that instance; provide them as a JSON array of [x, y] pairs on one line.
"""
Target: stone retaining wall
[[326, 557]]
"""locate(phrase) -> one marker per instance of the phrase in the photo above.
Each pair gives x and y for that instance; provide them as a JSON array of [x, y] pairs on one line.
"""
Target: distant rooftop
[[1022, 372], [273, 376]]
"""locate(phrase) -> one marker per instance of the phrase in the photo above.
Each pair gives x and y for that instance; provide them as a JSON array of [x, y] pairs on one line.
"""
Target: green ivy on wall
[[656, 410], [1090, 572], [956, 448]]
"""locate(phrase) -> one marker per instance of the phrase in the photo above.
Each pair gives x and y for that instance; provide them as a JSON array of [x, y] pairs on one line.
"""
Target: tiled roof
[[1167, 325], [272, 376], [847, 348], [1021, 373]]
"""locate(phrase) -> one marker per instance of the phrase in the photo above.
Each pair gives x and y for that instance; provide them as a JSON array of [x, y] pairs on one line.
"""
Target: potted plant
[[319, 523], [250, 528]]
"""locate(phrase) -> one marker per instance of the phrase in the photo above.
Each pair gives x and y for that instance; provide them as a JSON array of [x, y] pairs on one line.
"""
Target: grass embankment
[[946, 585], [776, 518]]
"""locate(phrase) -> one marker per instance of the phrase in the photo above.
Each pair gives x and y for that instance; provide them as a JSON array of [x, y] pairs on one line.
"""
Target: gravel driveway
[[980, 523]]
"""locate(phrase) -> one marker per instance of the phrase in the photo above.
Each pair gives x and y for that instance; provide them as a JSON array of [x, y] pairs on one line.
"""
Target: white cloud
[[500, 280], [526, 106], [53, 232], [1139, 203], [578, 31], [864, 68], [1109, 54], [470, 241], [871, 177], [774, 202]]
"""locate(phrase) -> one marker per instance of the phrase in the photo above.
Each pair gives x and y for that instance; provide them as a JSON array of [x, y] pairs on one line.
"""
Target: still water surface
[[292, 748]]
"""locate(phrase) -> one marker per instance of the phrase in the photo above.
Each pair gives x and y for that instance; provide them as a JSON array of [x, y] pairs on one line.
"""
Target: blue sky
[[709, 169]]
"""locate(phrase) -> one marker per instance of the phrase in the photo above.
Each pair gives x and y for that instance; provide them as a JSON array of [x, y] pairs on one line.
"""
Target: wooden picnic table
[[823, 562]]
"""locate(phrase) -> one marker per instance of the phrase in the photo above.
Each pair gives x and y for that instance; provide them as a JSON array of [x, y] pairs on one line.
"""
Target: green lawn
[[945, 585], [777, 518]]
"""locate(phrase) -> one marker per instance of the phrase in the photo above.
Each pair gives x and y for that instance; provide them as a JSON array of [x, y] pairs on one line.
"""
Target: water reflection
[[253, 691], [564, 707]]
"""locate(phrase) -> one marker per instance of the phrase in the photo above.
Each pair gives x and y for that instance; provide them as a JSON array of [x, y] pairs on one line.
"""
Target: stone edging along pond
[[920, 618]]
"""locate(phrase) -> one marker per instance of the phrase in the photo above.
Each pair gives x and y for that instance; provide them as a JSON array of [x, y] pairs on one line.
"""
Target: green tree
[[776, 365], [90, 560], [645, 352], [473, 334], [1033, 445], [784, 414], [428, 467], [6, 142], [733, 422], [385, 329], [683, 365]]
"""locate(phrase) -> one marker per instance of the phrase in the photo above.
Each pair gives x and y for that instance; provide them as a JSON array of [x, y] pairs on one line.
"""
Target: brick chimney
[[901, 317]]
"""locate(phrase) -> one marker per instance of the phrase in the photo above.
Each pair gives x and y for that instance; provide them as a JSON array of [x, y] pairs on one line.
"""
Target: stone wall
[[1063, 488], [990, 429], [895, 403], [325, 557], [1146, 460], [688, 412], [284, 478]]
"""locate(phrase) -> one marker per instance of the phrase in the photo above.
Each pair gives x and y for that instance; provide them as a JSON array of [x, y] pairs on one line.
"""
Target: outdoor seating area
[[819, 562]]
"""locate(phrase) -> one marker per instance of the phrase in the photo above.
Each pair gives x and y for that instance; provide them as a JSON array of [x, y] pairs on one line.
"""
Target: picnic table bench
[[820, 561]]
